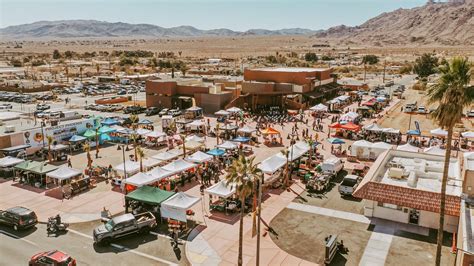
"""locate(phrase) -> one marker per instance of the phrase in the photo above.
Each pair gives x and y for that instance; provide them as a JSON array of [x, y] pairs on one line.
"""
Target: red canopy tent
[[350, 126], [335, 125]]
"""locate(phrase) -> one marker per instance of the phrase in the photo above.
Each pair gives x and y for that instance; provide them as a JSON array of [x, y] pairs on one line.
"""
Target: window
[[389, 206]]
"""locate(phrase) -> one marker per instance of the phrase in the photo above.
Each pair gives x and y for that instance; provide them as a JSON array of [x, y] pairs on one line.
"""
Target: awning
[[143, 132], [178, 166], [175, 207], [63, 173], [272, 164], [222, 112], [246, 129], [77, 138], [199, 157], [140, 179], [149, 195], [159, 173], [270, 131], [155, 134], [9, 161], [216, 152], [221, 189]]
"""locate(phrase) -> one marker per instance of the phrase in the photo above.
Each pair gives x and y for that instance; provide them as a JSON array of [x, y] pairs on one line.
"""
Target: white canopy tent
[[178, 166], [10, 161], [222, 112], [408, 147], [349, 117], [227, 146], [140, 179], [272, 164], [435, 150], [165, 156], [390, 130], [193, 145], [196, 123], [155, 134], [379, 147], [246, 129], [150, 162], [194, 138], [319, 108], [159, 173], [143, 131], [234, 110], [361, 148], [468, 135], [175, 207], [199, 157], [131, 168], [221, 190], [439, 132], [373, 127], [63, 173], [296, 150]]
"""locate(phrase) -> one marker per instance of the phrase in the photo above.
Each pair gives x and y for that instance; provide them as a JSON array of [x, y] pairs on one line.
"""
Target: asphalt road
[[16, 248]]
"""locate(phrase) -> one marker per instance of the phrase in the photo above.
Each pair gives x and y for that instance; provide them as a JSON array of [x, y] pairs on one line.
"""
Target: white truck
[[69, 115], [332, 166], [349, 185]]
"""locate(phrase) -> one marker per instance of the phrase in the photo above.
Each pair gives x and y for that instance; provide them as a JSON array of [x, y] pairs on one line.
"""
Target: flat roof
[[290, 69]]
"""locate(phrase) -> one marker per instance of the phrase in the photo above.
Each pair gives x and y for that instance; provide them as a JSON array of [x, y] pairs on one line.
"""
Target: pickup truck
[[18, 218], [124, 225], [349, 185]]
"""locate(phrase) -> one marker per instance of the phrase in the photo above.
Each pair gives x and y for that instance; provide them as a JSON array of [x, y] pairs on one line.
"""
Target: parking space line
[[127, 249], [19, 238]]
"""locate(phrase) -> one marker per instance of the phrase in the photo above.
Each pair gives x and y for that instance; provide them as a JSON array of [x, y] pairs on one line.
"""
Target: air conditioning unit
[[9, 129]]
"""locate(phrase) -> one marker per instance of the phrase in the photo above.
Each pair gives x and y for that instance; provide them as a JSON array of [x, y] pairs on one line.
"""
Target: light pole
[[123, 149], [259, 212]]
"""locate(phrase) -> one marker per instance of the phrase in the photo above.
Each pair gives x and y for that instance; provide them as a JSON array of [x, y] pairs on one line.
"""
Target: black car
[[121, 92], [152, 111], [136, 109], [19, 218]]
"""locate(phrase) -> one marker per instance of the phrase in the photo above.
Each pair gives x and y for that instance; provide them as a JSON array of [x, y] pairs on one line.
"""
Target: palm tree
[[286, 173], [243, 174], [50, 142], [141, 155], [453, 93], [87, 148], [134, 119], [134, 138]]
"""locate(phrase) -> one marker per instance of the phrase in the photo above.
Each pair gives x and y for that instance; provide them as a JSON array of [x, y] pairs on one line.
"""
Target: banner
[[36, 136], [417, 125]]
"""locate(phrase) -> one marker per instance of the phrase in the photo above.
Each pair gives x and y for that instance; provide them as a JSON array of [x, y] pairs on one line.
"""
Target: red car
[[55, 257]]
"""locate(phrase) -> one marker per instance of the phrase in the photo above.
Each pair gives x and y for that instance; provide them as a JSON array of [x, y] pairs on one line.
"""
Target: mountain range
[[102, 29], [441, 23]]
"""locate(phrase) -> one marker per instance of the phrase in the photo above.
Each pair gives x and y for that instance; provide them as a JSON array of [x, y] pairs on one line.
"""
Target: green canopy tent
[[89, 134], [148, 195], [36, 168]]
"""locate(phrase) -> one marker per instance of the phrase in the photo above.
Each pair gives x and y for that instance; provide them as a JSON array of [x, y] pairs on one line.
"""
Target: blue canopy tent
[[241, 139], [110, 122], [145, 122], [77, 138], [216, 152], [414, 132], [106, 130], [336, 141], [104, 137]]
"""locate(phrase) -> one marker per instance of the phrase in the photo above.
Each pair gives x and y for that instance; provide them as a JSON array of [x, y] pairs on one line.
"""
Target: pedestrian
[[69, 164]]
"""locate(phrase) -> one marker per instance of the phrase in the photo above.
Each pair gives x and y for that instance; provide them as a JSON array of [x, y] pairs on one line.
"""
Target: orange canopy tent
[[350, 126], [335, 125], [270, 131]]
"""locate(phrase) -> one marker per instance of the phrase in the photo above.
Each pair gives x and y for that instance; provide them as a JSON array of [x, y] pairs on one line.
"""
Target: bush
[[311, 57]]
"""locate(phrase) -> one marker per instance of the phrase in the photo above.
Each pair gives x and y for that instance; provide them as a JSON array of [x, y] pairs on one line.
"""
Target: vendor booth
[[199, 157], [7, 166], [176, 206], [363, 149], [126, 169], [166, 155], [193, 112], [228, 146], [219, 195], [146, 198], [408, 147], [63, 175], [33, 172]]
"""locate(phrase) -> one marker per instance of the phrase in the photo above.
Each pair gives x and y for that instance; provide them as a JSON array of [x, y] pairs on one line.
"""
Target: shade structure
[[43, 168], [272, 163], [196, 123], [468, 135], [222, 112], [77, 138], [439, 132], [155, 134], [193, 145], [194, 108], [241, 139], [159, 173], [175, 207], [199, 157], [58, 147], [373, 127], [335, 141], [335, 125], [350, 126], [408, 147], [194, 138], [391, 130], [165, 156], [106, 130], [435, 150], [27, 165], [234, 110], [216, 152], [143, 131], [150, 162], [381, 99], [89, 133], [361, 149], [221, 189], [270, 131], [319, 108], [9, 161], [229, 127], [227, 146], [109, 122], [349, 117], [117, 127], [63, 173], [297, 150], [105, 137], [379, 147], [246, 129], [145, 122], [178, 166], [414, 132], [131, 167], [126, 131], [149, 195]]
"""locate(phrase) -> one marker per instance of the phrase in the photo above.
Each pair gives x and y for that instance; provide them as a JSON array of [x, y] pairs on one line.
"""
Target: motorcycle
[[53, 227]]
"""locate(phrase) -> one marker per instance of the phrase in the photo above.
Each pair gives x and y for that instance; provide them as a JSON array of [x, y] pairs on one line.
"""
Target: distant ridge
[[94, 28], [450, 23]]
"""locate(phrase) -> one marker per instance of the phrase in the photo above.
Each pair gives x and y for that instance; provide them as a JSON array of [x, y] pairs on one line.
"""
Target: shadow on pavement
[[8, 231], [127, 243]]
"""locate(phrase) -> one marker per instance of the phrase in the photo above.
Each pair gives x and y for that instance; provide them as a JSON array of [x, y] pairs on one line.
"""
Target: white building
[[405, 187]]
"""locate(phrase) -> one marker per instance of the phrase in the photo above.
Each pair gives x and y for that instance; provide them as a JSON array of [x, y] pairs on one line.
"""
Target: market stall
[[33, 172], [271, 136], [199, 157], [193, 112], [155, 139], [126, 169], [62, 175], [222, 192], [176, 206], [166, 155], [7, 166], [228, 146], [408, 147], [146, 198], [319, 108]]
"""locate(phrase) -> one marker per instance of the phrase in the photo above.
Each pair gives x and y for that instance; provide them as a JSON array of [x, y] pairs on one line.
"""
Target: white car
[[421, 110], [5, 106], [470, 113]]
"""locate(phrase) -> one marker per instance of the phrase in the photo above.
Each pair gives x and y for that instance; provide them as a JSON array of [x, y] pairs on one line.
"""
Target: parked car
[[152, 111], [5, 106], [91, 106], [349, 184], [136, 109], [163, 112], [174, 112], [42, 107], [19, 218], [332, 166], [421, 109], [55, 257], [122, 92], [124, 225]]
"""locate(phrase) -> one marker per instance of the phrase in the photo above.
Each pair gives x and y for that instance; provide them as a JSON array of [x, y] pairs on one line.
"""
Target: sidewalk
[[218, 243], [81, 208]]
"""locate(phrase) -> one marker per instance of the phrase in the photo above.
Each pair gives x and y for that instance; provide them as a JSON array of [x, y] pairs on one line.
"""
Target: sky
[[205, 14]]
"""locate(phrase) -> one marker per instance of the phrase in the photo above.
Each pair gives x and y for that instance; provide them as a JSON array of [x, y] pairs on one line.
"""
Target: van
[[69, 115], [332, 166], [349, 185]]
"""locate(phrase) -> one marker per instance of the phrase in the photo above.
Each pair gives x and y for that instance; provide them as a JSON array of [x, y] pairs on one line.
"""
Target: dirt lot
[[302, 235], [331, 198]]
